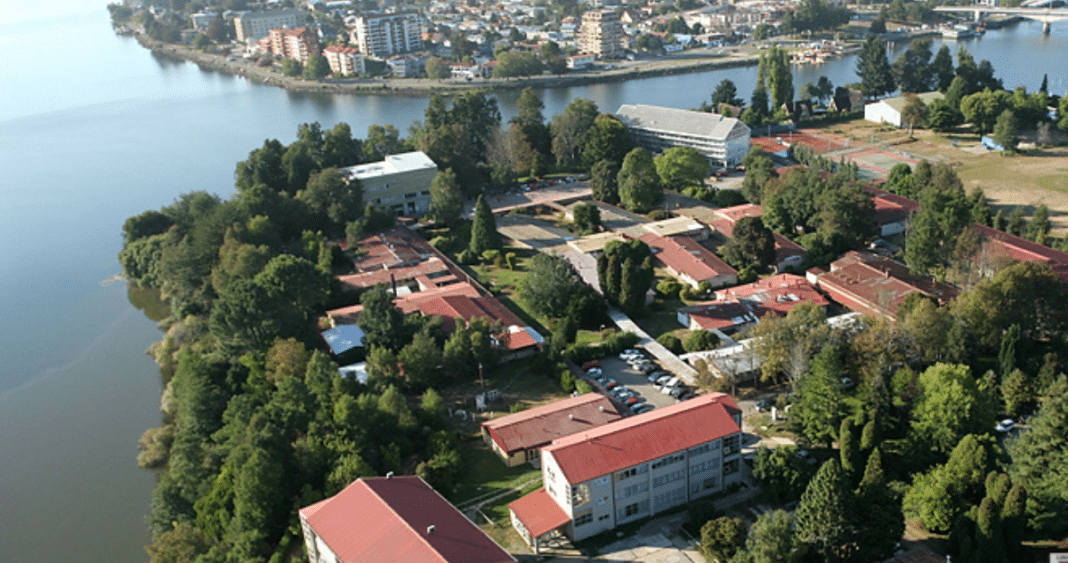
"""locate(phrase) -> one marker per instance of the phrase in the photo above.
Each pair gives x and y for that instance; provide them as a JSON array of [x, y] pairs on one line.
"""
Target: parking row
[[636, 381]]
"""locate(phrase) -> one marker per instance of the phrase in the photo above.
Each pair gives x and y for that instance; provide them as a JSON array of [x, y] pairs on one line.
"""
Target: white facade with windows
[[383, 35], [723, 140], [399, 184], [253, 26]]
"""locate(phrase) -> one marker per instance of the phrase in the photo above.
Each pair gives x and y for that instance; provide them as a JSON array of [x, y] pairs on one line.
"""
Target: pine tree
[[484, 234], [990, 546], [825, 515], [869, 438], [847, 448], [1040, 457], [1016, 392], [1014, 521], [883, 523], [1007, 350]]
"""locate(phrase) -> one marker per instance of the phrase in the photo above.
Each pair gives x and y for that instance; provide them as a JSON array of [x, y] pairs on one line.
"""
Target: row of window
[[668, 460], [673, 496], [703, 448], [628, 473], [669, 478], [635, 489], [704, 466]]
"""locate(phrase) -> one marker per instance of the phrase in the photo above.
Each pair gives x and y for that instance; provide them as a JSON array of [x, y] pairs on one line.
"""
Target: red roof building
[[777, 294], [393, 519], [1014, 248], [874, 285], [639, 466], [690, 262], [724, 317], [787, 252], [517, 437], [891, 210], [299, 43]]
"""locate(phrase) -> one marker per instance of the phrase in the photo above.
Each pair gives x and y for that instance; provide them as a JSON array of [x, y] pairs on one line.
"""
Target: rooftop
[[398, 519], [539, 513], [687, 256], [696, 123], [720, 315], [645, 437], [674, 226], [393, 164], [777, 294], [1019, 248], [876, 284], [542, 424]]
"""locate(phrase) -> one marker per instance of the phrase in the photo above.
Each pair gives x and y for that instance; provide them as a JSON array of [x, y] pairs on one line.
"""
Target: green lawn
[[661, 318], [485, 473]]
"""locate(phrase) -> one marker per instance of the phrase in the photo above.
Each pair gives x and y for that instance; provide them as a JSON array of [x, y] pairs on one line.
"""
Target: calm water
[[94, 129]]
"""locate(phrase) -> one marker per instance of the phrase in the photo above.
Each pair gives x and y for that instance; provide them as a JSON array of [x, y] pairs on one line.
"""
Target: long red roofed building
[[393, 520], [517, 437], [642, 465], [874, 285]]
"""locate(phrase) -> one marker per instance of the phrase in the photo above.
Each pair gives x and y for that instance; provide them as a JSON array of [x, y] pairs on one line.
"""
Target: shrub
[[492, 256], [443, 244], [467, 257], [509, 260], [699, 340], [671, 342], [747, 275], [582, 387], [669, 289], [611, 345], [659, 214], [567, 379]]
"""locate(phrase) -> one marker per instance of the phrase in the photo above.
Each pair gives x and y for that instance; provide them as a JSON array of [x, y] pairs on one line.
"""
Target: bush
[[509, 260], [467, 257], [688, 293], [611, 345], [671, 342], [669, 289], [582, 387], [567, 379], [747, 275], [659, 214], [492, 256], [443, 244], [729, 198], [699, 340]]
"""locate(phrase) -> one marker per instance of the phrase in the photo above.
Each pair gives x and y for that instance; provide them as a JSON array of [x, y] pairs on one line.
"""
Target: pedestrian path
[[667, 359]]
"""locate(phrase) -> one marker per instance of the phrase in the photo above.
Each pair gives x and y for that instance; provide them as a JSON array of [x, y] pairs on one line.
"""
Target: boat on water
[[817, 53], [959, 32]]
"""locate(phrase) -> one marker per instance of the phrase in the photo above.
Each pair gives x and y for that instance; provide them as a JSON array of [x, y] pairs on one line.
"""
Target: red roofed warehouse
[[642, 465], [398, 519], [874, 285], [517, 437]]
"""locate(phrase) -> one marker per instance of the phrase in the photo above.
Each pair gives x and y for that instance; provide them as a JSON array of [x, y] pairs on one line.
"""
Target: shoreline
[[426, 86]]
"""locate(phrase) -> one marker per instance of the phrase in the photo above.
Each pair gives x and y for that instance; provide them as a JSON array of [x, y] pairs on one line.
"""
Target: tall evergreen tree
[[883, 522], [1040, 462], [847, 449], [819, 400], [873, 68], [446, 199], [484, 235], [825, 516]]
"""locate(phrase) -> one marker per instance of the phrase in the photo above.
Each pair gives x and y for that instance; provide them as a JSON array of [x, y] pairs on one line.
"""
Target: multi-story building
[[383, 35], [299, 43], [393, 519], [517, 438], [601, 33], [344, 60], [253, 26], [723, 140], [399, 184], [597, 480]]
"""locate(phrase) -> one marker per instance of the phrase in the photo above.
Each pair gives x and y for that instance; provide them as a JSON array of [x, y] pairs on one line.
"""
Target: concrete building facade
[[615, 474], [344, 60], [723, 140], [298, 43], [253, 26], [601, 33], [399, 184], [382, 35]]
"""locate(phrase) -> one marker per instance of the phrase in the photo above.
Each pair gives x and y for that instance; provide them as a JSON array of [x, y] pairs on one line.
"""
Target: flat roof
[[393, 164], [672, 120], [674, 226]]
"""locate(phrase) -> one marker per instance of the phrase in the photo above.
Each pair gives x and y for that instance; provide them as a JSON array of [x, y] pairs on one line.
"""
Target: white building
[[399, 184], [344, 60], [888, 110], [723, 140], [383, 35], [597, 480], [253, 26], [601, 33]]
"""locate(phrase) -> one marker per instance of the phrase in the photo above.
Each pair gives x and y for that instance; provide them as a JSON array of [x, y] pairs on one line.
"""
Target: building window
[[584, 517], [626, 474], [631, 509], [730, 467], [731, 444], [580, 494], [709, 483]]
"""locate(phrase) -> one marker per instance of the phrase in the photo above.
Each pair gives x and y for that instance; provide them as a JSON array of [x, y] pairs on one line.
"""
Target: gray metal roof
[[699, 123]]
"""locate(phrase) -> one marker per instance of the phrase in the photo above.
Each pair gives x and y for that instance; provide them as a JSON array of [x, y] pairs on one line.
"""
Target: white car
[[593, 371], [1005, 425]]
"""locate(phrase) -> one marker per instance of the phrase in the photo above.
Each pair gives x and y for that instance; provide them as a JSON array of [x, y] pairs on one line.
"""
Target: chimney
[[430, 529], [389, 475], [572, 417], [602, 408]]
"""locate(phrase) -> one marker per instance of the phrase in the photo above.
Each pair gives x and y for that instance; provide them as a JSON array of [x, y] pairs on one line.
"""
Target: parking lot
[[620, 371]]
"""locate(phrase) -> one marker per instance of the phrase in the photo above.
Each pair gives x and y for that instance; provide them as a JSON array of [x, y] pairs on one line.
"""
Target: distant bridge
[[1046, 15]]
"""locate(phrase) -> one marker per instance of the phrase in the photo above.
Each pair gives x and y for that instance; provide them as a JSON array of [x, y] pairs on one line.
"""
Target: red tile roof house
[[393, 519], [597, 480], [720, 317], [777, 294], [690, 262], [891, 211], [874, 285], [517, 438], [1011, 247], [788, 254]]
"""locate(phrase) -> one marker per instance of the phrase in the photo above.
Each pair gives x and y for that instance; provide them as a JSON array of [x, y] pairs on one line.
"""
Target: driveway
[[622, 372], [533, 233], [668, 360]]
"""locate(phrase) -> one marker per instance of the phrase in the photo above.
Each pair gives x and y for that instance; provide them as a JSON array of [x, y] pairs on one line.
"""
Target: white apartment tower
[[601, 33], [383, 35]]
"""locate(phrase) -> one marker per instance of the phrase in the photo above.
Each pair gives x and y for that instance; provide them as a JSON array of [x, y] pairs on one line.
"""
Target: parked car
[[633, 400], [610, 384], [662, 380], [641, 407], [1005, 425], [594, 371], [657, 375], [669, 385], [764, 404], [848, 383], [806, 457], [591, 364], [619, 390]]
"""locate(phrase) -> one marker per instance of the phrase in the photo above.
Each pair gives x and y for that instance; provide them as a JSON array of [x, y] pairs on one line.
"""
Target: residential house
[[344, 60], [720, 317], [892, 211], [1009, 247], [597, 480], [776, 295], [517, 438], [682, 225], [393, 519], [723, 140], [250, 27], [580, 62]]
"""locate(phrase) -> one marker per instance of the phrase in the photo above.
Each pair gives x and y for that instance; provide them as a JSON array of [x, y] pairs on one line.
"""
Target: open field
[[1036, 177]]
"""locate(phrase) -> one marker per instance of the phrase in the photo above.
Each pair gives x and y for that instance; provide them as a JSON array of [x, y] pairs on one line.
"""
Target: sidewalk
[[668, 360]]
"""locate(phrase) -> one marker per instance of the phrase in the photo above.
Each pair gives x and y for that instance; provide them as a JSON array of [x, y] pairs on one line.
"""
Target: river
[[93, 129]]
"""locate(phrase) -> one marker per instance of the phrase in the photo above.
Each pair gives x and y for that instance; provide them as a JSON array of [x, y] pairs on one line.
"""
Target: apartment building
[[253, 26], [382, 35], [344, 60], [723, 140], [601, 33], [597, 480], [299, 43]]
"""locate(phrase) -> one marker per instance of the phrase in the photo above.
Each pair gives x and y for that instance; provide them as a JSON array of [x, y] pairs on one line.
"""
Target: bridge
[[1045, 15]]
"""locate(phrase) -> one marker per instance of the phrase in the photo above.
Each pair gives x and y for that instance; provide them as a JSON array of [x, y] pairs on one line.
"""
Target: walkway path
[[668, 360]]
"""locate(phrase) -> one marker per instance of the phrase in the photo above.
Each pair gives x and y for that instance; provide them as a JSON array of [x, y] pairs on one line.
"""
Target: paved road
[[667, 360]]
